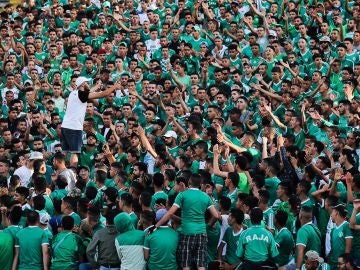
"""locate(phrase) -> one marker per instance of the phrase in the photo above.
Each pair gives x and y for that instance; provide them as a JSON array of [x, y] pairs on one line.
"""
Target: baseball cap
[[106, 4], [324, 39], [81, 80], [313, 256], [160, 213], [170, 134], [44, 218], [111, 192], [36, 155]]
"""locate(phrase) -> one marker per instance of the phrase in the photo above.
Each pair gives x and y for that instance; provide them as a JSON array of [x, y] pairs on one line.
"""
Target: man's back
[[257, 245], [310, 237], [129, 246], [193, 204], [30, 241], [162, 246], [67, 248], [6, 250], [103, 245]]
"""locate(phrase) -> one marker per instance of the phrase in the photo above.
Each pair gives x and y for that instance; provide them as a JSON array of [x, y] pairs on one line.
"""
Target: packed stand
[[180, 135]]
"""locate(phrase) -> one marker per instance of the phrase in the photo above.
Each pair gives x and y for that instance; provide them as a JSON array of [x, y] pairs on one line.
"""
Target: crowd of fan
[[226, 135]]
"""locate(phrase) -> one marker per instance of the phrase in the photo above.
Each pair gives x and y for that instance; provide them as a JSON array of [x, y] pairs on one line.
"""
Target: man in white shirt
[[72, 125], [25, 172]]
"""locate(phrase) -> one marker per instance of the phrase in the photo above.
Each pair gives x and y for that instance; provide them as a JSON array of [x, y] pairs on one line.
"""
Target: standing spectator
[[101, 251], [67, 247], [72, 124], [284, 240], [129, 243], [341, 236], [308, 237], [193, 204], [31, 246], [158, 253], [257, 246], [231, 239], [6, 251]]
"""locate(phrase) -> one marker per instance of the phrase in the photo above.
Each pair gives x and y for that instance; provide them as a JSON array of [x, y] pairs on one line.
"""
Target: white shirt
[[75, 112], [25, 174]]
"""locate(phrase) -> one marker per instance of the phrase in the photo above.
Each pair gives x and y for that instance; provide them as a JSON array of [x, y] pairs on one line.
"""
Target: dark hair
[[256, 216], [158, 180], [39, 202], [32, 218], [234, 178], [238, 215], [225, 203], [281, 218], [67, 223], [145, 199], [195, 180]]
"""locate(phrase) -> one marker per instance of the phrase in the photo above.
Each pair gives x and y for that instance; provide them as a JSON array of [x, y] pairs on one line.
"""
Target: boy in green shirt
[[193, 203], [256, 245], [284, 240], [231, 238], [67, 247], [31, 246]]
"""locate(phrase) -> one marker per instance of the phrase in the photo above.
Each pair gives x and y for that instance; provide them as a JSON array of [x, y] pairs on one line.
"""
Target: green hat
[[123, 223]]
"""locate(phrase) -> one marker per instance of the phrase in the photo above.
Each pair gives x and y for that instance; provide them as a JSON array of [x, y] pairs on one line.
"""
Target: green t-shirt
[[162, 254], [233, 197], [339, 234], [193, 204], [269, 218], [244, 185], [12, 230], [355, 249], [257, 244], [309, 236], [67, 247], [231, 239], [285, 243], [6, 251], [213, 234], [30, 241]]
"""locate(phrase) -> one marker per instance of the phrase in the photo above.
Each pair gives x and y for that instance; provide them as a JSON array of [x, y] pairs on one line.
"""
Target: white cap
[[44, 218], [81, 80], [312, 255], [36, 155], [170, 134]]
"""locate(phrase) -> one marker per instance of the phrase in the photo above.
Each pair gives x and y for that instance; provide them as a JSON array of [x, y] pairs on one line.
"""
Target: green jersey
[[6, 251], [355, 249], [309, 236], [231, 239], [339, 235], [285, 243], [12, 230], [233, 197], [269, 218], [162, 254], [30, 241], [257, 244], [213, 234], [67, 247], [193, 204]]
